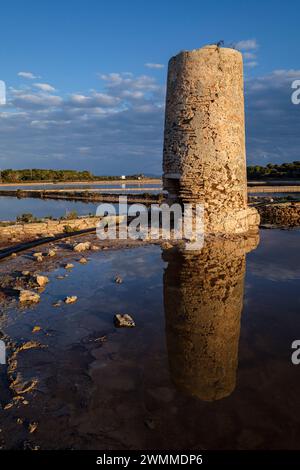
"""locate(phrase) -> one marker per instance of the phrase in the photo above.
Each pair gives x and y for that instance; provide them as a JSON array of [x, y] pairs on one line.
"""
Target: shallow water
[[12, 207], [80, 186], [208, 365]]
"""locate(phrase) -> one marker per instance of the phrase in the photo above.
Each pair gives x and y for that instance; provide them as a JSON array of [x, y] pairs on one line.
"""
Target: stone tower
[[203, 299], [204, 157]]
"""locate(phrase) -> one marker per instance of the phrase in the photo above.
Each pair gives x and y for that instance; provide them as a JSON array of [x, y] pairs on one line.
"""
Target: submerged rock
[[28, 296], [83, 260], [118, 280], [123, 321]]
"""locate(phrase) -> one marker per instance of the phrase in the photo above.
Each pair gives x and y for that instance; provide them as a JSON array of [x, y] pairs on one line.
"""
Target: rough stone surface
[[29, 296], [41, 280], [83, 246], [286, 214], [124, 321], [204, 142]]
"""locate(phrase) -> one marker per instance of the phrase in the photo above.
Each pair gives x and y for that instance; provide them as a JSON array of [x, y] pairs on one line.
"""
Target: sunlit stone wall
[[204, 143]]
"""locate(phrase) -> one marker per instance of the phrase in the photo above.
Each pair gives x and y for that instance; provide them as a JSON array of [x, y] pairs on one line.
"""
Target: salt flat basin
[[101, 387], [12, 207], [72, 186]]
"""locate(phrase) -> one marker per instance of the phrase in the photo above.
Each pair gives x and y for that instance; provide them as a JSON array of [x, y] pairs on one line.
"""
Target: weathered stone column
[[203, 299], [204, 143]]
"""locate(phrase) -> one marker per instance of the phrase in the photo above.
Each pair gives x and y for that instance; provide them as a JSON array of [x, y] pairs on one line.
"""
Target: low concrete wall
[[23, 231]]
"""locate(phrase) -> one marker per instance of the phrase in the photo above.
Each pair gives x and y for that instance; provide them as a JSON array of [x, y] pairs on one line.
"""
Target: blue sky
[[86, 80]]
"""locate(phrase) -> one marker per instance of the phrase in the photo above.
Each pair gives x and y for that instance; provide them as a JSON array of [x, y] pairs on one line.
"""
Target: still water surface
[[12, 207], [208, 365]]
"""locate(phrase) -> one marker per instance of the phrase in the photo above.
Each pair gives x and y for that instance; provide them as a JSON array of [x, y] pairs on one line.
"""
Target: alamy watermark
[[2, 352], [159, 221], [295, 358], [296, 94], [2, 93]]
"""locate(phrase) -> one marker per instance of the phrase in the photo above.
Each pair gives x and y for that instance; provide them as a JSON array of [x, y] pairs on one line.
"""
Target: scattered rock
[[166, 245], [32, 427], [51, 253], [28, 296], [35, 329], [20, 421], [95, 248], [150, 423], [118, 280], [20, 387], [71, 299], [13, 255], [41, 280], [57, 304], [83, 260], [25, 273], [69, 266], [8, 406], [83, 246], [124, 321]]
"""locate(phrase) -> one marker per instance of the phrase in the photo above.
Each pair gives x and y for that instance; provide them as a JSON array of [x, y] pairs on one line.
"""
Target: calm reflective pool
[[12, 207], [208, 365]]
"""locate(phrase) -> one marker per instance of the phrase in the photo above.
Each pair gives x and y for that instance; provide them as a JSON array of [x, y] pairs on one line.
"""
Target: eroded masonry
[[204, 143]]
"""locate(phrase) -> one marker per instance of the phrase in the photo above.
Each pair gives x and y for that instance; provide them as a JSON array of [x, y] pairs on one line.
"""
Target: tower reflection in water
[[203, 300]]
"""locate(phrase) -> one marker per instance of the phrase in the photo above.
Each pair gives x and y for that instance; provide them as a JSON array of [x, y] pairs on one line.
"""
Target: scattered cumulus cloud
[[28, 75], [151, 65], [44, 87], [118, 128], [248, 48], [247, 45], [251, 64]]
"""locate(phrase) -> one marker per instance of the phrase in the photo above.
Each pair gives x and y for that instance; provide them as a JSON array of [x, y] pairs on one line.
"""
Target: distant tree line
[[282, 171], [34, 174]]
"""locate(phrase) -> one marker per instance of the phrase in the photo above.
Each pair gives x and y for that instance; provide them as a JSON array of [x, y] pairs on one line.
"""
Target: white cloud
[[251, 64], [119, 129], [44, 87], [31, 100], [247, 45], [151, 65], [249, 55], [28, 75]]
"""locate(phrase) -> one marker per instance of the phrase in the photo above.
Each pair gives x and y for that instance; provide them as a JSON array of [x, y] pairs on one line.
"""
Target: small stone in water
[[124, 321], [32, 427], [83, 260], [118, 280], [71, 299], [69, 266], [35, 329]]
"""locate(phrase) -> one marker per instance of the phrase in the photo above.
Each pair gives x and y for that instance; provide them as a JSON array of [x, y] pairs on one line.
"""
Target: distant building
[[123, 177]]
